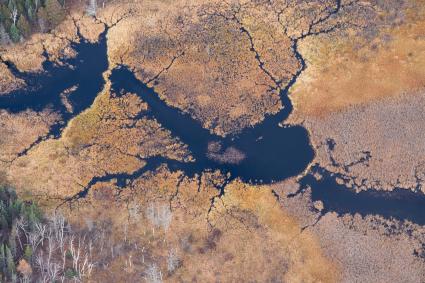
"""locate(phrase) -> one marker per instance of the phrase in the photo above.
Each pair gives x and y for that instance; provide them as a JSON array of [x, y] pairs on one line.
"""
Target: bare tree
[[53, 271], [125, 232], [134, 211], [57, 223], [42, 24], [92, 8], [153, 274], [51, 245], [160, 215], [172, 261], [14, 15], [89, 223], [4, 36], [36, 237], [46, 244], [49, 270], [129, 263], [80, 258]]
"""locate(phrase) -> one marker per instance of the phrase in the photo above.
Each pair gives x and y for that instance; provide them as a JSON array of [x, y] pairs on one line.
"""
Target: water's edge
[[272, 153]]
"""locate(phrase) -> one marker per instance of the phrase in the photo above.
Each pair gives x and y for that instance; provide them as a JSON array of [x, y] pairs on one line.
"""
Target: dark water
[[44, 89], [272, 153], [399, 204]]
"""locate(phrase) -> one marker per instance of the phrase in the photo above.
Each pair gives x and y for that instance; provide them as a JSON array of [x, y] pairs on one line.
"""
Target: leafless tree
[[101, 240], [4, 36], [14, 15], [160, 215], [42, 24], [36, 237], [80, 257], [25, 279], [49, 242], [172, 261], [53, 271], [134, 211], [51, 245], [92, 8], [153, 274], [125, 232], [57, 224], [129, 262], [89, 223], [49, 270]]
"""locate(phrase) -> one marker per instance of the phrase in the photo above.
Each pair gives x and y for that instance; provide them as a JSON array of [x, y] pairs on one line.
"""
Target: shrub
[[70, 273]]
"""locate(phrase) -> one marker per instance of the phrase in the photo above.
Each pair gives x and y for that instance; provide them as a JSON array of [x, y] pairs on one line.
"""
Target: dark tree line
[[12, 212], [39, 248], [20, 18]]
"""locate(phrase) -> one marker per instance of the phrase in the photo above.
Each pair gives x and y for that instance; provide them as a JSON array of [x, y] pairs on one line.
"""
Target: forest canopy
[[20, 18]]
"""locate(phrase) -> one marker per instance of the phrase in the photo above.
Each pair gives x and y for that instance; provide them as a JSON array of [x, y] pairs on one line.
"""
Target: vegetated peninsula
[[212, 141]]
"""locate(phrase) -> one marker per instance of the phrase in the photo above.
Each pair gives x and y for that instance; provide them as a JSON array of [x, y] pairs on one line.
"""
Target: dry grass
[[216, 76], [370, 249], [366, 94], [352, 70], [248, 227], [256, 226], [8, 82], [28, 55], [19, 131], [391, 130], [106, 138]]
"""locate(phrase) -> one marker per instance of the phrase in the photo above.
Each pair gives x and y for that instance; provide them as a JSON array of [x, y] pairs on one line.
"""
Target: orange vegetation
[[8, 82], [351, 71], [247, 235]]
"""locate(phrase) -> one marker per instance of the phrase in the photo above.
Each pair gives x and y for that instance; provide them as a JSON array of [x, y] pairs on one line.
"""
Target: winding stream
[[264, 154], [272, 153]]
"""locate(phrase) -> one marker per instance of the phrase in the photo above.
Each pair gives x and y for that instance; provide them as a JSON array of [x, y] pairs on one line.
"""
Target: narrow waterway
[[44, 89], [271, 153], [400, 204], [265, 153]]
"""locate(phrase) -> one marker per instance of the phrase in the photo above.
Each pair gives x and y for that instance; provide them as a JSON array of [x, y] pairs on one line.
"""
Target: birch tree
[[14, 15], [4, 36], [92, 8], [160, 215], [153, 274], [172, 261]]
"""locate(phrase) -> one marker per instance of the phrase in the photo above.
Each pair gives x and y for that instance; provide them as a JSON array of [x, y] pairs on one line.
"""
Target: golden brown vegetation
[[244, 228], [8, 82], [391, 131], [224, 64], [367, 249], [19, 131], [205, 62], [296, 255], [109, 137], [356, 69], [364, 92], [28, 55]]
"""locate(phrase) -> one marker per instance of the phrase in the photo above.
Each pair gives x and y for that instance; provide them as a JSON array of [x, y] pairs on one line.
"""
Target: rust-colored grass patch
[[342, 72]]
